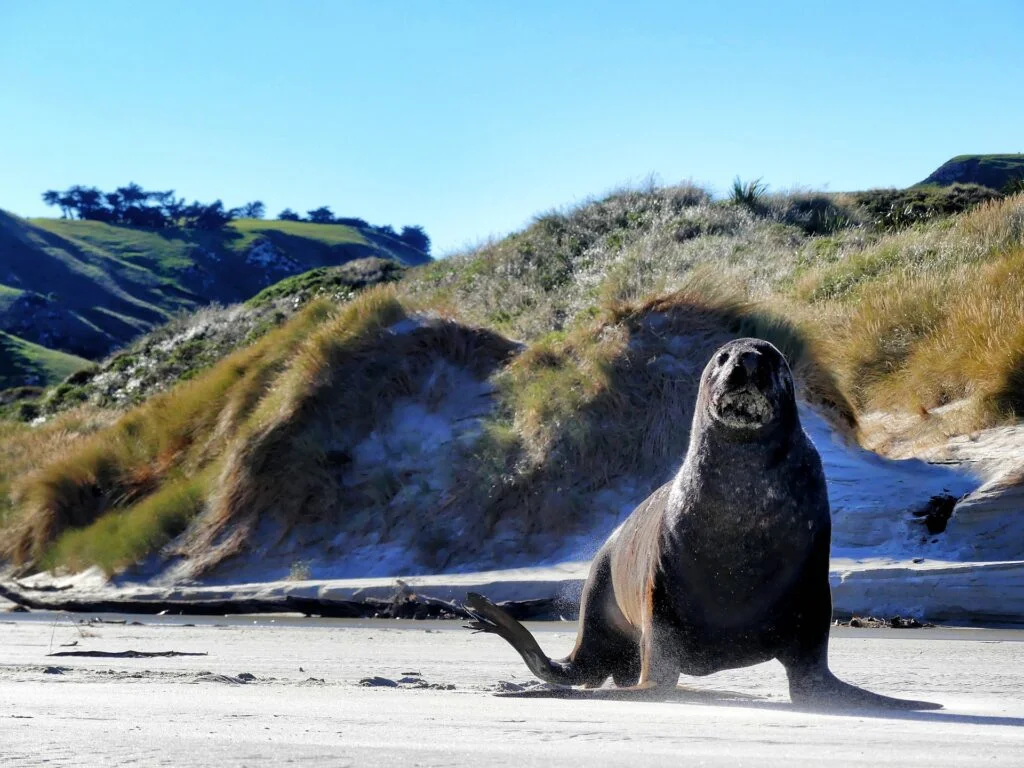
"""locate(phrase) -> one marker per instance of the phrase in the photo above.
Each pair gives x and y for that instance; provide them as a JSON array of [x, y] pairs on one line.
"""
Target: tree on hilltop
[[53, 197], [288, 215], [173, 208], [208, 215], [116, 205], [321, 215], [416, 237], [133, 195], [253, 210]]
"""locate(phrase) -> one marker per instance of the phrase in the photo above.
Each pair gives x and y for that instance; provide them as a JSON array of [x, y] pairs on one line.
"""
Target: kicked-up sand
[[280, 691]]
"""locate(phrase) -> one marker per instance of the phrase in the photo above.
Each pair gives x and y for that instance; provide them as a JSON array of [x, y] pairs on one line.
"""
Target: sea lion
[[723, 567]]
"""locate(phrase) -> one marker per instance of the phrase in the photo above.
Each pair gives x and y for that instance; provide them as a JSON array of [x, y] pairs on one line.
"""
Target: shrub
[[750, 194]]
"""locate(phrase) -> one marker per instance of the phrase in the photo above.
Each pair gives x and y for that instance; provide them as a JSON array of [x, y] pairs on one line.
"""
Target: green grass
[[992, 171], [340, 282], [163, 255], [94, 286], [123, 537], [22, 361], [329, 235]]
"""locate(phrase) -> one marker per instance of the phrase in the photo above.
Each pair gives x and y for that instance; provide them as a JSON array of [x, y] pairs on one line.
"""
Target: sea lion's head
[[747, 386]]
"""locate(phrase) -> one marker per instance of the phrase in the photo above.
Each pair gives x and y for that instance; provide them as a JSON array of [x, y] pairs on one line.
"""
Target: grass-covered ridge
[[998, 172], [87, 287], [191, 342], [579, 339], [878, 296], [22, 361]]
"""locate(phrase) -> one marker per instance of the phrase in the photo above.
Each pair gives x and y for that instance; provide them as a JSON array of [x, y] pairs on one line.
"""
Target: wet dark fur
[[725, 566]]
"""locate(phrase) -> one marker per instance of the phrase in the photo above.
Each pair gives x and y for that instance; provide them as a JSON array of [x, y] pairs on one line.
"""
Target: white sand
[[192, 711]]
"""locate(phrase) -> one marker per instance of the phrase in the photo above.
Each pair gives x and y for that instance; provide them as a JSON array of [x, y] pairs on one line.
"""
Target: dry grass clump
[[534, 281], [24, 448], [287, 464], [982, 233], [116, 468], [124, 535], [612, 399], [935, 319], [976, 348]]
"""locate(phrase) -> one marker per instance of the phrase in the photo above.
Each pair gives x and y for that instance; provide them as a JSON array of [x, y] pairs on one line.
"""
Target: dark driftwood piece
[[405, 604]]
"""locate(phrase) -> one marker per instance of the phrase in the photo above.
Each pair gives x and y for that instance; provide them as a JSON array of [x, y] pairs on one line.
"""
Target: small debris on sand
[[377, 682], [211, 677], [126, 654], [54, 670], [507, 686], [408, 682], [896, 622]]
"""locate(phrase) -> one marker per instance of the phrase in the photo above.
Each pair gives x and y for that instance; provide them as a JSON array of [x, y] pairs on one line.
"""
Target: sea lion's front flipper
[[828, 692]]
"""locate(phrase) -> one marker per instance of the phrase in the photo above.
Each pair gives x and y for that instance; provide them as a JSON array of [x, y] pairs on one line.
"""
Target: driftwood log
[[405, 604]]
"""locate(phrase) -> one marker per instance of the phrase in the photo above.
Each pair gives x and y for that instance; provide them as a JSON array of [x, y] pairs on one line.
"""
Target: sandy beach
[[280, 690]]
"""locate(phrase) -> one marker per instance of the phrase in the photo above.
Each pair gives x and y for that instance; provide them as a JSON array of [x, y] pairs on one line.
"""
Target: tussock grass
[[946, 338], [928, 317], [286, 465], [613, 399], [618, 304], [115, 468], [126, 536], [23, 449]]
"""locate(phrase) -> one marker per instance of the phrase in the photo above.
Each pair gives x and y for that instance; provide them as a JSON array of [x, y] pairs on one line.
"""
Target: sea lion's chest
[[736, 545]]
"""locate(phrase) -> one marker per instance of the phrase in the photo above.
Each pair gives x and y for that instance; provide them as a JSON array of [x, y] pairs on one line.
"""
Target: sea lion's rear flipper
[[828, 692], [488, 617]]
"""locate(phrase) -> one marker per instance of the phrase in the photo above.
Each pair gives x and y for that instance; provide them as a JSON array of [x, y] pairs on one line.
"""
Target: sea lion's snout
[[748, 368], [746, 384]]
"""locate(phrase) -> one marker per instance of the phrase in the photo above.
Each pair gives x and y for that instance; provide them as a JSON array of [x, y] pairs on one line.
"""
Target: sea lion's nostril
[[751, 362]]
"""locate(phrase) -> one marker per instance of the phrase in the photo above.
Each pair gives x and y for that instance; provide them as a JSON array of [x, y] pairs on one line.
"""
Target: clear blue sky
[[468, 118]]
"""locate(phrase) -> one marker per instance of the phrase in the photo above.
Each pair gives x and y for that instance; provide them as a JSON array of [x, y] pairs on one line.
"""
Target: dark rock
[[377, 682]]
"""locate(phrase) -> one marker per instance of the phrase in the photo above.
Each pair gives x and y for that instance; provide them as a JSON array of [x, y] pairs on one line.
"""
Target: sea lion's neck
[[714, 443], [724, 469]]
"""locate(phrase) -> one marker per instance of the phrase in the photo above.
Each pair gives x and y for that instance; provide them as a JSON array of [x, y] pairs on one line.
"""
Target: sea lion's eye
[[722, 358]]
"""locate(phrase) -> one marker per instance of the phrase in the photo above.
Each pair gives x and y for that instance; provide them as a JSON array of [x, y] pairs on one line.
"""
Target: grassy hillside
[[992, 171], [568, 353], [22, 362], [85, 287], [191, 342]]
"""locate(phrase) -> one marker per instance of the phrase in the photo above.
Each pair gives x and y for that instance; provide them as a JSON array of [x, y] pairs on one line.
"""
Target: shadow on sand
[[684, 695]]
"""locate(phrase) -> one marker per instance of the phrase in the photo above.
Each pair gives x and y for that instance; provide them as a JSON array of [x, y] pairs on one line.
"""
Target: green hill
[[22, 362], [992, 171], [86, 287]]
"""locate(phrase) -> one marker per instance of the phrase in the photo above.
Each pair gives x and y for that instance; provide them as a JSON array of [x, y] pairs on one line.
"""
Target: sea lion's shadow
[[683, 695]]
